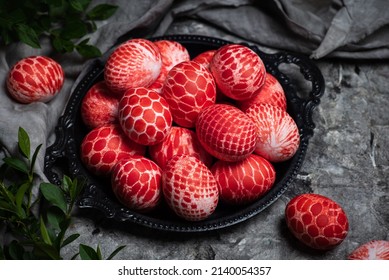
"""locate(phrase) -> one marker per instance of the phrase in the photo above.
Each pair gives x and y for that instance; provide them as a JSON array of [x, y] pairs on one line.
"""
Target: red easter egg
[[144, 116], [243, 181], [179, 141], [99, 106], [271, 93], [157, 86], [226, 132], [189, 88], [278, 134], [205, 58], [317, 221], [238, 71], [35, 79], [104, 146], [372, 250], [172, 53], [136, 182], [189, 188], [135, 63]]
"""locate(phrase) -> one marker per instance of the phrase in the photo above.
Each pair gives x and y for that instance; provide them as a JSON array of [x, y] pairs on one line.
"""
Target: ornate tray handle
[[302, 106]]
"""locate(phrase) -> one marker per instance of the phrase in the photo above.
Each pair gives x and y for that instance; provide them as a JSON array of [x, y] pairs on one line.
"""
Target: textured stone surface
[[347, 160]]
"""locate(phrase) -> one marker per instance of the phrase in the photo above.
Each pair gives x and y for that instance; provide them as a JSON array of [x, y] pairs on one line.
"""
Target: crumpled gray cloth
[[353, 29], [356, 29]]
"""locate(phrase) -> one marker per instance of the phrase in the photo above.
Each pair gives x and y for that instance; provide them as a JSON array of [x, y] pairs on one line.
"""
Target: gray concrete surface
[[347, 160]]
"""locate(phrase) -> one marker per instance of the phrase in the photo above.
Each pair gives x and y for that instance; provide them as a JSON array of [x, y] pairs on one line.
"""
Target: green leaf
[[64, 225], [87, 253], [45, 251], [114, 253], [54, 195], [6, 206], [27, 35], [19, 197], [44, 233], [13, 17], [88, 51], [52, 236], [62, 21], [57, 9], [85, 3], [74, 256], [76, 188], [17, 164], [74, 29], [76, 5], [6, 194], [61, 45], [34, 156], [45, 23], [55, 217], [92, 26], [55, 32], [98, 252], [24, 142], [66, 183], [70, 239], [29, 256], [102, 12], [16, 250]]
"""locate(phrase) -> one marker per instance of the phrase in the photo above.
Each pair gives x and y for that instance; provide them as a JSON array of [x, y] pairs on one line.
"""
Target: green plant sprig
[[42, 235], [65, 22]]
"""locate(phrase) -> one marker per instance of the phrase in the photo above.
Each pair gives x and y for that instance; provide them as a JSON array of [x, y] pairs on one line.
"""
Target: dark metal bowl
[[63, 155]]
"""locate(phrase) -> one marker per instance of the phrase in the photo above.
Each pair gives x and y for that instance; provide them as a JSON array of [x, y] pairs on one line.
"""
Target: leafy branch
[[65, 22], [43, 235]]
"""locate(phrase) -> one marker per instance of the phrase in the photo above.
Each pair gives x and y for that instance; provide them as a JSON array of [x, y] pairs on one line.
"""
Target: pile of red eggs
[[190, 131]]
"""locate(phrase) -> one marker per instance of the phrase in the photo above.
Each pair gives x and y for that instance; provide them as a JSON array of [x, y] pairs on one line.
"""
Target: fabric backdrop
[[352, 29]]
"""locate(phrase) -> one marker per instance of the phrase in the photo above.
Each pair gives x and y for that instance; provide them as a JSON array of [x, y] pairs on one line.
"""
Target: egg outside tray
[[63, 155]]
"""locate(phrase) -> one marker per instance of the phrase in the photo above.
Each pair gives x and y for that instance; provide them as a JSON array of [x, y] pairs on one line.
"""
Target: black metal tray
[[63, 155]]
